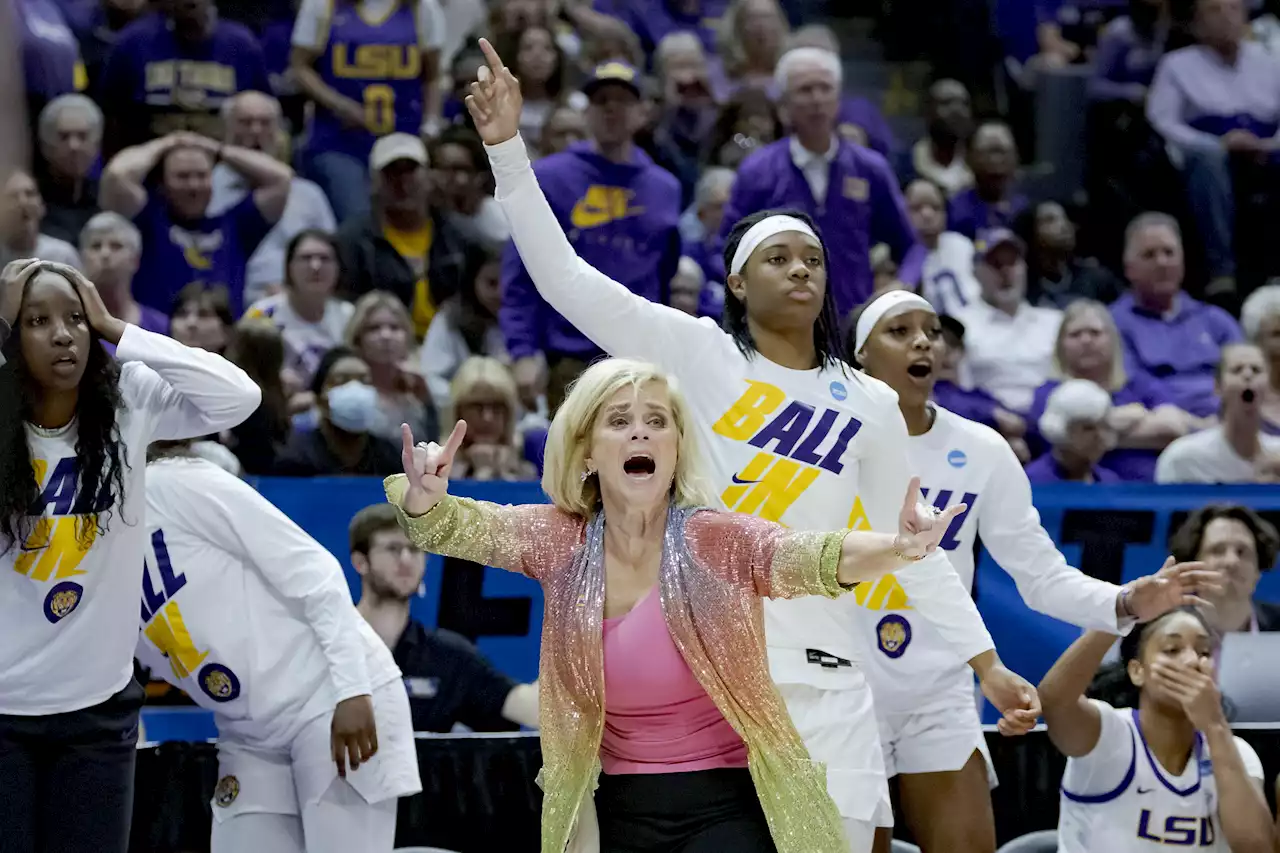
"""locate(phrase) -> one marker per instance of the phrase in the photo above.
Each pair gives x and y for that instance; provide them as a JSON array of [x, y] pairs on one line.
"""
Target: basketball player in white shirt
[[254, 620], [74, 427], [947, 278], [792, 434], [1157, 765], [930, 731]]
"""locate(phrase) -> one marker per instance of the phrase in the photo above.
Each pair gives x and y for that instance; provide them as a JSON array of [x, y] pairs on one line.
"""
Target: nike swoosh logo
[[742, 482], [1142, 790]]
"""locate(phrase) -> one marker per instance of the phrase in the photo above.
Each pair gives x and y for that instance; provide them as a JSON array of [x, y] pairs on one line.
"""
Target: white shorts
[[839, 728], [283, 781], [939, 740]]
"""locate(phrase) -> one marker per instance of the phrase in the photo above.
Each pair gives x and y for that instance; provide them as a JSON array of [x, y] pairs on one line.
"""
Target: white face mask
[[352, 406]]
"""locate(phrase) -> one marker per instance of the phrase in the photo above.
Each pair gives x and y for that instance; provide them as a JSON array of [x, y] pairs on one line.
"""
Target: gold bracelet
[[902, 555]]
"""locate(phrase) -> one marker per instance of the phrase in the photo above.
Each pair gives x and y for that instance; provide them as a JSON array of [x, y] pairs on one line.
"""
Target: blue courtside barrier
[[1113, 532]]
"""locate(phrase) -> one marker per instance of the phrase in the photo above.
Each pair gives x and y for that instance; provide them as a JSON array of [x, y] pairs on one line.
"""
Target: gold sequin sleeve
[[530, 539], [776, 561]]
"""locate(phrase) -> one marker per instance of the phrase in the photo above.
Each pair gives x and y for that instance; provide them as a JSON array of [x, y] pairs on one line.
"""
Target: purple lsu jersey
[[377, 64]]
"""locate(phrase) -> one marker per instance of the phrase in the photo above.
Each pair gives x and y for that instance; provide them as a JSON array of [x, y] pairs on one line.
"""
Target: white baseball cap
[[397, 146]]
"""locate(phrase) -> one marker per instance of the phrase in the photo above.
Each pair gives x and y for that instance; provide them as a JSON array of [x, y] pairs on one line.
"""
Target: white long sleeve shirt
[[70, 613], [812, 449], [959, 461], [246, 612], [947, 278]]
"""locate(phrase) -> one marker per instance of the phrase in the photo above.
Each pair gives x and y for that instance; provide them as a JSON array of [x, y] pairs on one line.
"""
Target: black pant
[[707, 811], [68, 778]]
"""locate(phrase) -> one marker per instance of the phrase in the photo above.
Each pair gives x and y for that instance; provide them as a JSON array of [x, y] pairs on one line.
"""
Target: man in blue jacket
[[620, 211], [849, 190]]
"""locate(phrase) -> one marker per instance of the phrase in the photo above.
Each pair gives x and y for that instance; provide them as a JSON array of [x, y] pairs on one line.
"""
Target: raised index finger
[[491, 56]]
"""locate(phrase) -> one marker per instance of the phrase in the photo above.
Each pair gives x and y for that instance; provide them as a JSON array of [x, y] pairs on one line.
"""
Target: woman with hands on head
[[653, 667], [792, 435], [73, 441], [1151, 761]]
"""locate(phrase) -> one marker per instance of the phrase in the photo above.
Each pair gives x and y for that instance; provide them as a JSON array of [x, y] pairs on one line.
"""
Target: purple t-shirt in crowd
[[50, 51], [972, 404], [861, 112], [1079, 21], [211, 250], [1128, 464], [968, 214], [654, 20], [1125, 62], [1178, 351], [1047, 470], [153, 84]]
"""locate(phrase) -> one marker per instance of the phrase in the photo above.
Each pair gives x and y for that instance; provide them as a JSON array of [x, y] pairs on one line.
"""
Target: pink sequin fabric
[[715, 568]]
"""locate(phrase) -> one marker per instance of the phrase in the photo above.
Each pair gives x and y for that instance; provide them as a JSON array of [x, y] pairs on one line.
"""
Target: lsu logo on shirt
[[796, 443], [198, 248], [601, 205], [63, 530], [165, 628], [377, 61], [1177, 831]]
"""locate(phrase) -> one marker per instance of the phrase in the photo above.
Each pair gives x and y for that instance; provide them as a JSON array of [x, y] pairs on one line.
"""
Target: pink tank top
[[658, 719]]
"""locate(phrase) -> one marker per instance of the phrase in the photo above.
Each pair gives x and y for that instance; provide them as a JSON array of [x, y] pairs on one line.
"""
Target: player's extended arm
[[235, 517], [1074, 723], [1010, 529], [614, 318], [186, 391], [778, 562]]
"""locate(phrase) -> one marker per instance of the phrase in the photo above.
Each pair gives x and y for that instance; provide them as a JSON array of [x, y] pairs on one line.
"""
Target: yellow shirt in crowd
[[415, 247]]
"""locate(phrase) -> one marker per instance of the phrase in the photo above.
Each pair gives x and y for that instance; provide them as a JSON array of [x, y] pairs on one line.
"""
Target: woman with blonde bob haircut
[[661, 728], [1142, 417], [484, 395]]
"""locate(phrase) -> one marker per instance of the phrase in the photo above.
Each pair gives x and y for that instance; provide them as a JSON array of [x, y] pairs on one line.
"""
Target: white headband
[[768, 227], [890, 304]]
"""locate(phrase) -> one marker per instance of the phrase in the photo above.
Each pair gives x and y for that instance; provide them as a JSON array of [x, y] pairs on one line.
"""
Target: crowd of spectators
[[300, 190]]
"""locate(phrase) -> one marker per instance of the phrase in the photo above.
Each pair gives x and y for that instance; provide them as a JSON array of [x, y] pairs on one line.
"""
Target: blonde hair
[[481, 373], [1117, 378], [365, 306], [570, 435]]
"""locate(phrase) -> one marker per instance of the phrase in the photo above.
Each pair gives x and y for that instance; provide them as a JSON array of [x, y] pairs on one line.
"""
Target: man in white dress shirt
[[1009, 342]]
